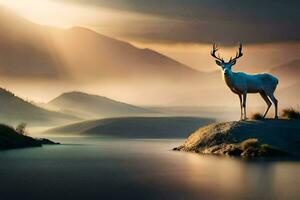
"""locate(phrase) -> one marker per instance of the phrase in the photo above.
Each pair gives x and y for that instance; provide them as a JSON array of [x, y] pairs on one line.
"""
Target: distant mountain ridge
[[29, 50], [14, 110], [94, 106]]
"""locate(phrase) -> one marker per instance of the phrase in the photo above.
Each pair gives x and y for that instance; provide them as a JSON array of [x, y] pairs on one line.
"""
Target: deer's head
[[226, 66]]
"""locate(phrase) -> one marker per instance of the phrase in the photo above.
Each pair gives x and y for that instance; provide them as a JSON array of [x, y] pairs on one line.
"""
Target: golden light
[[59, 14]]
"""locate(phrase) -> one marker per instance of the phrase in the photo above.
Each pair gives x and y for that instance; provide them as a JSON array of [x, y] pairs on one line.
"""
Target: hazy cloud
[[194, 21]]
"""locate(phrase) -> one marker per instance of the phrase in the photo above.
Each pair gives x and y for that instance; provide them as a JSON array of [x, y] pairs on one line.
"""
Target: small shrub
[[267, 150], [253, 149], [257, 116], [291, 113], [251, 142], [21, 128]]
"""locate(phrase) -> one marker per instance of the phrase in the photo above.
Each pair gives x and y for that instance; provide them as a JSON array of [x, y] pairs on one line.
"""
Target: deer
[[241, 83]]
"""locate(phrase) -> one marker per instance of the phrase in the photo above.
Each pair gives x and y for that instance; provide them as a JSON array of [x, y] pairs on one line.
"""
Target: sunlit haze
[[119, 24]]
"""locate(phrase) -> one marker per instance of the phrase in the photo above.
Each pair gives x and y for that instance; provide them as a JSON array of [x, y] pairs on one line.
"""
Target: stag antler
[[213, 53], [238, 54]]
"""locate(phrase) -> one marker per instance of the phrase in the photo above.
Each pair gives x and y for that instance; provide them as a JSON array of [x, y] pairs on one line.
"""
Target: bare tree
[[21, 128]]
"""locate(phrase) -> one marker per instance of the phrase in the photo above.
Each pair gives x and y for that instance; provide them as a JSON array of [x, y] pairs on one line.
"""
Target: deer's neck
[[229, 79]]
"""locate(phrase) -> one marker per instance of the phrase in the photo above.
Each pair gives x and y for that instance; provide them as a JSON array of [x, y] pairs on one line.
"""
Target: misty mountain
[[94, 106], [27, 49], [135, 127], [33, 51], [107, 58], [14, 110]]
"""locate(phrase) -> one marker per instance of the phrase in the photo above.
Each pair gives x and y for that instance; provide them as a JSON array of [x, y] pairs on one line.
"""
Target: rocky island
[[251, 138], [11, 139]]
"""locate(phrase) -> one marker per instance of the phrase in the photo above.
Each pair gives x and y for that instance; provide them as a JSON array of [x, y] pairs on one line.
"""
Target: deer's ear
[[219, 63], [233, 62]]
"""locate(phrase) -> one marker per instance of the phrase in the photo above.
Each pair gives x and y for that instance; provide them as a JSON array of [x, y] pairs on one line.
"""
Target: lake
[[107, 168]]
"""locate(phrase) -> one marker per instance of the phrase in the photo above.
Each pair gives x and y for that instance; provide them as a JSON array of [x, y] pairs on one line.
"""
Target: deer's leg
[[275, 101], [241, 106], [244, 105], [267, 100]]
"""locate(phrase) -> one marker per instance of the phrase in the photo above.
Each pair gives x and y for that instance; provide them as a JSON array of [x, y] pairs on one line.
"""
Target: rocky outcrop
[[253, 138]]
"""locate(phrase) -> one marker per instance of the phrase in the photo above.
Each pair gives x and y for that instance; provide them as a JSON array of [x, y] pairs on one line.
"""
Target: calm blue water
[[95, 168]]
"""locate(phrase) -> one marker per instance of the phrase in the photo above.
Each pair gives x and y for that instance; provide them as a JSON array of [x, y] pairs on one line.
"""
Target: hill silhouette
[[10, 139], [134, 127], [93, 106], [14, 110]]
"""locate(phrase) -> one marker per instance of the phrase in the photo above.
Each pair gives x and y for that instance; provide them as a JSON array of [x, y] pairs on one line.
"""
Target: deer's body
[[241, 83]]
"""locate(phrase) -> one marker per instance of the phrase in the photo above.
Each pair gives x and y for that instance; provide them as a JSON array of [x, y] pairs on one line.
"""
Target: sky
[[189, 21], [181, 29], [198, 21]]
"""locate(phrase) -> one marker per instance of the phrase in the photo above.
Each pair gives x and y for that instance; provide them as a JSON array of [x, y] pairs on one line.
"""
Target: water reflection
[[139, 169]]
